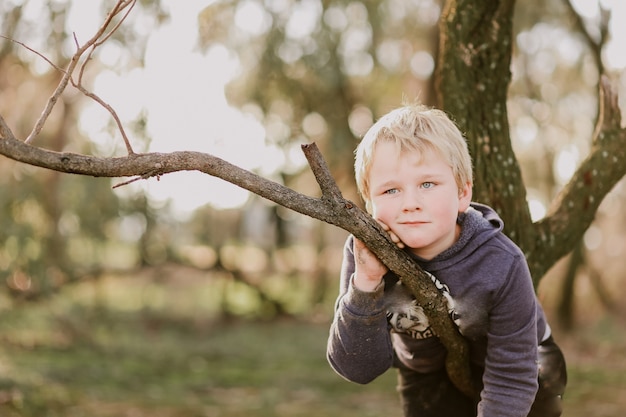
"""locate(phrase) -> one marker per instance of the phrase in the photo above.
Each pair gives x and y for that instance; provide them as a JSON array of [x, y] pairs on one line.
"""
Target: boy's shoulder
[[485, 227]]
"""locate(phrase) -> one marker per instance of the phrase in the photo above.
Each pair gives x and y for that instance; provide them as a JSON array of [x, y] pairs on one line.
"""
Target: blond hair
[[414, 127]]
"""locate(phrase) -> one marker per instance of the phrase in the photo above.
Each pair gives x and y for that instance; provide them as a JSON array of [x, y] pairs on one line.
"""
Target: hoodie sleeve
[[359, 344], [510, 377]]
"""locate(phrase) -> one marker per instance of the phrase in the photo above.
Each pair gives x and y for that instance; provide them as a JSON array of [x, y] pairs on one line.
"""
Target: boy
[[414, 173]]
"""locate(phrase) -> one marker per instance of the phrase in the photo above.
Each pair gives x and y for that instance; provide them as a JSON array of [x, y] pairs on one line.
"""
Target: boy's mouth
[[413, 222]]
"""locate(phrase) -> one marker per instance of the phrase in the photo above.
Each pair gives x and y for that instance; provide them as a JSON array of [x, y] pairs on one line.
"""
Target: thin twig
[[121, 184], [5, 130], [595, 46], [320, 170], [79, 85], [123, 5], [96, 40], [154, 173], [23, 45], [113, 113]]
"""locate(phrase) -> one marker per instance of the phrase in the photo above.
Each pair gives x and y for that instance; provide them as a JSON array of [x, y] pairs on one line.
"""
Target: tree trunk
[[473, 80]]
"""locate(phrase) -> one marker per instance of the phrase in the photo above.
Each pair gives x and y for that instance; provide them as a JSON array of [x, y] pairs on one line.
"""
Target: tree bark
[[472, 79]]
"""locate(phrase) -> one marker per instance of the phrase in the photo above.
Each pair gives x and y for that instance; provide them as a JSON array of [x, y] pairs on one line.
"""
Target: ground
[[65, 358]]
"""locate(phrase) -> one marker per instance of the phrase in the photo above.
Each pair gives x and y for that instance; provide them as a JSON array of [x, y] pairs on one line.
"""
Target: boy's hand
[[368, 269], [394, 238]]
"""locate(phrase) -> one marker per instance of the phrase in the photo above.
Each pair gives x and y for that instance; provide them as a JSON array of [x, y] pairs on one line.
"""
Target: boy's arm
[[511, 371], [359, 345]]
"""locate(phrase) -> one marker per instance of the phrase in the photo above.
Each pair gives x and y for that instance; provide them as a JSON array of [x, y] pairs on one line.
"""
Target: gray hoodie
[[495, 307]]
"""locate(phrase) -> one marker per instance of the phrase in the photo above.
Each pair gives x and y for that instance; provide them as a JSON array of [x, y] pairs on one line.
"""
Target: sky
[[180, 90]]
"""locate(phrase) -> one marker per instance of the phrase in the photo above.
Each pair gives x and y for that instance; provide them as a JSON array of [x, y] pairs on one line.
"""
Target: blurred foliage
[[322, 71], [315, 71], [54, 229], [308, 71]]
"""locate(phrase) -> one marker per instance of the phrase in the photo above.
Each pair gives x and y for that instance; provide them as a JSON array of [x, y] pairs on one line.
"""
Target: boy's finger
[[394, 238], [383, 225]]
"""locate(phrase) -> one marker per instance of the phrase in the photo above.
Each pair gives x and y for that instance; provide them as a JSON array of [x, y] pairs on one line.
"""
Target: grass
[[71, 358], [106, 363]]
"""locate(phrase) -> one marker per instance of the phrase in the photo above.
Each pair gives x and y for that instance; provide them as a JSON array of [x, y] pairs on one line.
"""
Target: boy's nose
[[411, 201]]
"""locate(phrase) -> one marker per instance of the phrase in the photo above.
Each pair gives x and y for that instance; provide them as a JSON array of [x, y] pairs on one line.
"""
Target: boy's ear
[[465, 197]]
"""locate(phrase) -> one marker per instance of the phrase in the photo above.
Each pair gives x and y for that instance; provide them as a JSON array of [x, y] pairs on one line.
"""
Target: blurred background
[[187, 296]]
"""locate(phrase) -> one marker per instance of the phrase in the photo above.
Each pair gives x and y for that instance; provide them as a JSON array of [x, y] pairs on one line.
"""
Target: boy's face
[[417, 197]]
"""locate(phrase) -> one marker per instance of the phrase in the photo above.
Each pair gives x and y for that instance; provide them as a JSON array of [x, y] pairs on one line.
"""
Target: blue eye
[[391, 191], [428, 185]]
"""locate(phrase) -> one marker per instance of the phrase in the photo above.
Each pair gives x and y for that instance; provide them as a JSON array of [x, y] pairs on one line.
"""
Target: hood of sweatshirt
[[479, 223]]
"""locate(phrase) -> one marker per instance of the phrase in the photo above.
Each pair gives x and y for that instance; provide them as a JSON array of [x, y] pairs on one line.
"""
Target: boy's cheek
[[378, 212]]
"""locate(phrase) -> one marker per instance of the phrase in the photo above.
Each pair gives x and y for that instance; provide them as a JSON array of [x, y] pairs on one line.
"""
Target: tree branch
[[595, 46], [331, 208], [574, 208]]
